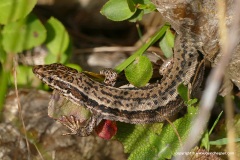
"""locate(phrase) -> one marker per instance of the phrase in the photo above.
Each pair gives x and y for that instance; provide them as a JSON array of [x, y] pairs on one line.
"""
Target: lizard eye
[[50, 79]]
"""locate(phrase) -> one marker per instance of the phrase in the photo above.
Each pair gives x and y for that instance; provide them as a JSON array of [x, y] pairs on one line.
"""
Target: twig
[[113, 49]]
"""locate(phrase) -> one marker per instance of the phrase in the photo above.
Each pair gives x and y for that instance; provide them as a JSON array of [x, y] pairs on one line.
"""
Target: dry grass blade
[[231, 147], [20, 111], [19, 105], [113, 49]]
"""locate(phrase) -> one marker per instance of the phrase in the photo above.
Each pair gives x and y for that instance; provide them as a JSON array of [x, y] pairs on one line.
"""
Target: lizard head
[[54, 73]]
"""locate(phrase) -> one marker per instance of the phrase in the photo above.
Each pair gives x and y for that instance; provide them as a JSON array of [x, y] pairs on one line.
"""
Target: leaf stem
[[144, 47]]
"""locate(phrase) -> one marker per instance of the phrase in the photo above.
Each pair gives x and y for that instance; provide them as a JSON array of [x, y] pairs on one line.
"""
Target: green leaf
[[143, 7], [183, 92], [191, 102], [170, 38], [57, 37], [139, 72], [154, 141], [118, 10], [205, 140], [131, 5], [137, 16], [23, 34], [4, 81], [170, 142], [75, 66], [3, 54], [24, 75], [143, 48], [133, 136], [146, 5], [167, 44], [12, 10], [53, 58], [215, 122], [223, 141]]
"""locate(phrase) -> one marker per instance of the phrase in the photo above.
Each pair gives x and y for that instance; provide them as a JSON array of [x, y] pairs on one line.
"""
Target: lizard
[[149, 104]]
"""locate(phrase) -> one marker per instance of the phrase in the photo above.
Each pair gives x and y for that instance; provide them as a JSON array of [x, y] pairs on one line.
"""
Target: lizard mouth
[[42, 73], [37, 70]]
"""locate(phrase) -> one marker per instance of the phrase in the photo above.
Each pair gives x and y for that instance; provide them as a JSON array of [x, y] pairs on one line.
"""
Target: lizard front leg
[[110, 76], [75, 126]]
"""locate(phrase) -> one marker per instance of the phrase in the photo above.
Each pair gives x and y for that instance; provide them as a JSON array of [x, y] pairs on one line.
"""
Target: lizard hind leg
[[166, 67]]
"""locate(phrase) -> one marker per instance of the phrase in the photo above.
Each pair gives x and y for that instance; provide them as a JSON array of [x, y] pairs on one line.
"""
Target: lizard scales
[[148, 104]]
